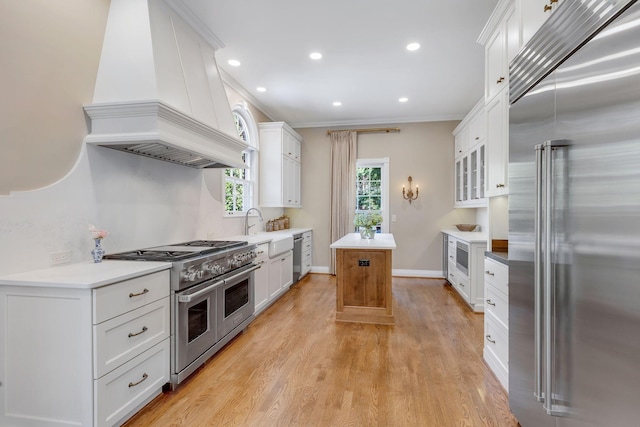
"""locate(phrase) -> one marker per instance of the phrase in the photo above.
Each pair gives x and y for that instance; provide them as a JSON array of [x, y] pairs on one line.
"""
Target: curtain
[[343, 186]]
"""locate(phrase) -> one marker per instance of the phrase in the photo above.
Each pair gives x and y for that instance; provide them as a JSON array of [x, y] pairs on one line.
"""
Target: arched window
[[240, 184]]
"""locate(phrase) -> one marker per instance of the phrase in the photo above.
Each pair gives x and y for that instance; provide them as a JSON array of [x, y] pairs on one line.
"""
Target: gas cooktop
[[177, 252]]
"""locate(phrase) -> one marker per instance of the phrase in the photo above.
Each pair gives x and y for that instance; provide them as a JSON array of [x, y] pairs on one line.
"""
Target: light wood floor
[[295, 366]]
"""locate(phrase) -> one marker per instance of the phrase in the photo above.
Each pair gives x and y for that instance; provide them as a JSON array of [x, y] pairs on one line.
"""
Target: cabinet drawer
[[113, 300], [497, 304], [132, 384], [119, 339], [452, 273], [307, 236], [262, 251], [497, 274], [463, 285], [496, 339]]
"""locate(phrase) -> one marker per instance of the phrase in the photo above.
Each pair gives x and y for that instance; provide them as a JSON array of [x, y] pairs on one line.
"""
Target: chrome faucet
[[246, 220]]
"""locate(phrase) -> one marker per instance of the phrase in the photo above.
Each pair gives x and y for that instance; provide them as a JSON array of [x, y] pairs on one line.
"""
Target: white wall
[[141, 202]]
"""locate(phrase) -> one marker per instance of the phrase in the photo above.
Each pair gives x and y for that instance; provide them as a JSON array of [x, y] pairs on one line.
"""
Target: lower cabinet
[[280, 274], [83, 357], [496, 319], [261, 278], [467, 255], [307, 253]]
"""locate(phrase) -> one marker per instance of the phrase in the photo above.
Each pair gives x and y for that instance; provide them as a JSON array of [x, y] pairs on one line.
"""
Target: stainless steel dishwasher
[[297, 256]]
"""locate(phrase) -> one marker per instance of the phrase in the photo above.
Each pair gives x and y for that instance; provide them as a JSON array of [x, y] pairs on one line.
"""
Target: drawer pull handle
[[144, 377], [489, 273], [451, 256], [491, 303], [144, 329], [145, 291], [499, 185], [490, 340]]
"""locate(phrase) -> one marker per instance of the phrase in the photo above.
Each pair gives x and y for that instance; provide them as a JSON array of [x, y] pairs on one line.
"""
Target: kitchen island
[[363, 270]]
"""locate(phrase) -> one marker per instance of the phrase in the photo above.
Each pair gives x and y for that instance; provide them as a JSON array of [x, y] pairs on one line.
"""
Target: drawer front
[[114, 300], [452, 274], [307, 236], [132, 384], [496, 339], [463, 285], [497, 274], [497, 304], [120, 339], [262, 251]]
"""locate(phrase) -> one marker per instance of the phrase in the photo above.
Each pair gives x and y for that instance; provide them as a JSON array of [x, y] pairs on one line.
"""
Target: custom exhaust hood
[[159, 92]]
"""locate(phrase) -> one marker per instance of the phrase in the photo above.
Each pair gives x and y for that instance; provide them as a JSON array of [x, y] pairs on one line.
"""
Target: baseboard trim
[[434, 274]]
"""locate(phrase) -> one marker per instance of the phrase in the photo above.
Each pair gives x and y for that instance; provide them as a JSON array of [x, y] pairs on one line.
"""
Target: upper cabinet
[[469, 137], [533, 13], [280, 155], [501, 39]]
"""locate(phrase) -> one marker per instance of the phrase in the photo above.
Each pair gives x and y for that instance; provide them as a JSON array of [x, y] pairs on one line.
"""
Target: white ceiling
[[365, 63]]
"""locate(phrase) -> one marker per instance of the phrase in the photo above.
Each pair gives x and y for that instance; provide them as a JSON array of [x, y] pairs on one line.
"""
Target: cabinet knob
[[488, 337], [477, 138], [547, 8]]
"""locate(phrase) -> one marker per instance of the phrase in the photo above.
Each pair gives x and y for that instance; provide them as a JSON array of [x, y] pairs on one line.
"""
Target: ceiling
[[365, 63]]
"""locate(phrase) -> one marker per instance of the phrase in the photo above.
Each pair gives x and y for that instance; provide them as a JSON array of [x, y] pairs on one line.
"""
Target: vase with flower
[[367, 223], [98, 251]]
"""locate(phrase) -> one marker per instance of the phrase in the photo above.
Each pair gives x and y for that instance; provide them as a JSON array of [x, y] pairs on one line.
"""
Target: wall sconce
[[408, 195]]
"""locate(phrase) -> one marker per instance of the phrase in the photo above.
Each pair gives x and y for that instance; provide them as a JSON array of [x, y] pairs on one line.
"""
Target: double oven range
[[212, 297]]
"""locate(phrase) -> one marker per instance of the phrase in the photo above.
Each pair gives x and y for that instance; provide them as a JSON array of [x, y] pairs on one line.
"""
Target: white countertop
[[86, 275], [354, 241], [263, 237], [467, 236]]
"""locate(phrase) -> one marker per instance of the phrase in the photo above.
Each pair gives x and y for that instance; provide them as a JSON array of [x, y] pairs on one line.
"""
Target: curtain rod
[[369, 130]]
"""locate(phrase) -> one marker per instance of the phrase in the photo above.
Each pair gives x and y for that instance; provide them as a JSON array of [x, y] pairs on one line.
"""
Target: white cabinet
[[497, 145], [496, 343], [469, 284], [280, 274], [307, 253], [501, 45], [89, 357], [261, 278], [280, 157], [533, 13], [469, 137]]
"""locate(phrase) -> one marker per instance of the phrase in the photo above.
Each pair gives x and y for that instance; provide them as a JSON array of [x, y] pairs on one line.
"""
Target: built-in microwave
[[462, 258]]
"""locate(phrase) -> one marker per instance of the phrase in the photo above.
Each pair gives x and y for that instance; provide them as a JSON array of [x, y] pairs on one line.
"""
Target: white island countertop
[[354, 241], [86, 275]]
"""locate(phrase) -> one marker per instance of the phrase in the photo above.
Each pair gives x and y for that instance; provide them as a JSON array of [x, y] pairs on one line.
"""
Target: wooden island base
[[364, 291]]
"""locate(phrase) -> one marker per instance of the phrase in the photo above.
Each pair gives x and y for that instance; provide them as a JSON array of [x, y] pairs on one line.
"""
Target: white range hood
[[158, 91]]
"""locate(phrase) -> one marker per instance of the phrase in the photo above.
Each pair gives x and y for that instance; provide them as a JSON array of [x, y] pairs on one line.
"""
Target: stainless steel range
[[212, 297]]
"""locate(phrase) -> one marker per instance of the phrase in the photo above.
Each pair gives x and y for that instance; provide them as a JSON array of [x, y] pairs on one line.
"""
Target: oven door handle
[[248, 270], [189, 297]]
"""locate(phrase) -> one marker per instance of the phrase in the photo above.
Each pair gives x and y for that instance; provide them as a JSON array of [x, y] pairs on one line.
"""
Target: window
[[372, 189], [239, 184]]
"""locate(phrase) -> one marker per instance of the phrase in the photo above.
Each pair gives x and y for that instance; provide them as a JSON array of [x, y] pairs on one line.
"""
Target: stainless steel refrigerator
[[574, 219]]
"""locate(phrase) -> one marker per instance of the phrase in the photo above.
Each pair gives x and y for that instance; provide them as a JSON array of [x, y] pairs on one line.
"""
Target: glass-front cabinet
[[470, 159]]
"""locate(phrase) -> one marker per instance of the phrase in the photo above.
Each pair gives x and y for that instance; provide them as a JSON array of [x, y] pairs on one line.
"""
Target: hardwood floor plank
[[296, 366]]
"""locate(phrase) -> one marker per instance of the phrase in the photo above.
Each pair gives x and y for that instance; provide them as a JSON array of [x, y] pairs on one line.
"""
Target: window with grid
[[372, 189], [239, 183]]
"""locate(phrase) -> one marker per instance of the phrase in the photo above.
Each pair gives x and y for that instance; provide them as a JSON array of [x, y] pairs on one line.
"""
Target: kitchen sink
[[280, 244]]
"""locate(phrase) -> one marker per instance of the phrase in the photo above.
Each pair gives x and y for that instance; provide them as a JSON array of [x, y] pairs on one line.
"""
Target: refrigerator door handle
[[548, 278], [537, 262]]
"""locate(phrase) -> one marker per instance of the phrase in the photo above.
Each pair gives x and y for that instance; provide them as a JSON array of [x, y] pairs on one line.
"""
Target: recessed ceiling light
[[234, 62], [315, 55], [337, 103], [413, 46], [403, 99], [261, 89]]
